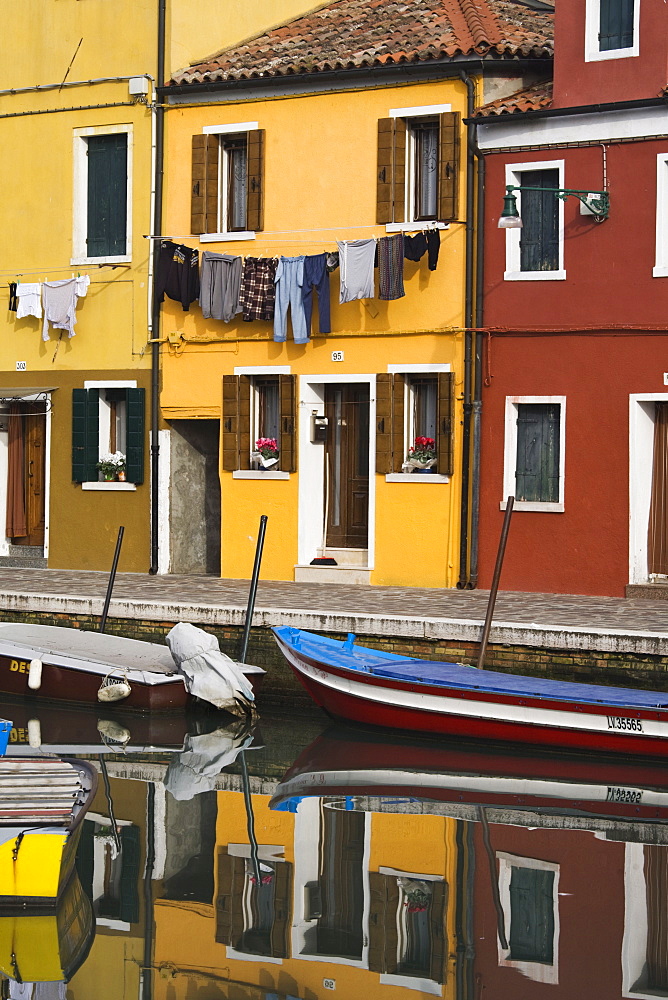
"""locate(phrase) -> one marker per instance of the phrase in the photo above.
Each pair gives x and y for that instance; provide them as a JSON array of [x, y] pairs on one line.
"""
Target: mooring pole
[[495, 582], [112, 577], [253, 588]]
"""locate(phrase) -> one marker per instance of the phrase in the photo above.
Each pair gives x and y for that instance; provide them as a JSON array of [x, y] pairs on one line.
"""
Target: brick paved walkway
[[557, 621]]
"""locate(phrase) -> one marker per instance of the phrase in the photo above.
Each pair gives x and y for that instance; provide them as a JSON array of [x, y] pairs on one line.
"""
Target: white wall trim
[[513, 271], [603, 126], [420, 110], [229, 129], [660, 269], [510, 454], [419, 369], [641, 455], [80, 193], [263, 370], [240, 237], [593, 53], [110, 384], [634, 941], [164, 501]]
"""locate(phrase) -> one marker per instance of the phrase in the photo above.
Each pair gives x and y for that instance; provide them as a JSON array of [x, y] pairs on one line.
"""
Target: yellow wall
[[320, 185]]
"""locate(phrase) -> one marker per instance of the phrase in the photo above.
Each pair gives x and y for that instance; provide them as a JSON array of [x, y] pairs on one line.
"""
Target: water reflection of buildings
[[367, 894]]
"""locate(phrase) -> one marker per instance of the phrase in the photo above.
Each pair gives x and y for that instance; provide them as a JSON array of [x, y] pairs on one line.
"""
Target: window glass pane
[[537, 468], [425, 394], [531, 915], [107, 195], [616, 24], [425, 138], [539, 239], [268, 408], [235, 152]]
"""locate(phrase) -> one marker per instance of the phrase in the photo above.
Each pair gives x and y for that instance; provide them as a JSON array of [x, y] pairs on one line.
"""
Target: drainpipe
[[464, 582], [477, 389], [155, 332]]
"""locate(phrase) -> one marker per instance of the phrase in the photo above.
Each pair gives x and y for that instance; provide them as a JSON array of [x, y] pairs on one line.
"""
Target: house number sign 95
[[337, 355]]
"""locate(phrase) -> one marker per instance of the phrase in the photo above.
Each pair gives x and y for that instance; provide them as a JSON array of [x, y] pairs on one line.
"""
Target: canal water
[[307, 860]]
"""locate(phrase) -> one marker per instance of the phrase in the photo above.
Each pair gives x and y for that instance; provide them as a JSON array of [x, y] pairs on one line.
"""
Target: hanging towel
[[60, 300], [220, 283], [391, 267], [356, 259], [29, 300]]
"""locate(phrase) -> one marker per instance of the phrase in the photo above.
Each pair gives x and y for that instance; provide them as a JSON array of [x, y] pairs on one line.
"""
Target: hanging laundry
[[29, 299], [177, 274], [13, 300], [60, 301], [356, 258], [289, 282], [316, 276], [220, 284], [391, 267], [257, 295], [433, 247], [415, 247], [332, 260]]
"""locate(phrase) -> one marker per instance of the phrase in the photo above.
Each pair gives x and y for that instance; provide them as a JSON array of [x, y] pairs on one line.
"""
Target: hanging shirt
[[29, 300], [177, 275], [356, 258], [220, 284], [60, 300]]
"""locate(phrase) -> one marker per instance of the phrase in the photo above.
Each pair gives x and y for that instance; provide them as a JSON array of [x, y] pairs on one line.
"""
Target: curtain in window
[[16, 504], [657, 540]]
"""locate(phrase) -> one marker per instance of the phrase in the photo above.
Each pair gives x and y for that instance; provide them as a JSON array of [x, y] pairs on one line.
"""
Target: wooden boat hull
[[543, 714], [76, 663], [370, 768]]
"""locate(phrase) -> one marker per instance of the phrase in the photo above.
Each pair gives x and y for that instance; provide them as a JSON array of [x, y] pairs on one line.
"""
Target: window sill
[[256, 474], [226, 237], [534, 275], [536, 506], [599, 55], [660, 271], [121, 259], [415, 477], [119, 487], [414, 227]]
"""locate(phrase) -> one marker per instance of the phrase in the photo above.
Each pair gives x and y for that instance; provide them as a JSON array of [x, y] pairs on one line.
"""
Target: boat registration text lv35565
[[624, 723]]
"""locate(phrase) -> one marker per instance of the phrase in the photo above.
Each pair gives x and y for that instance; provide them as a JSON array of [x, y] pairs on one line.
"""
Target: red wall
[[577, 82], [591, 916]]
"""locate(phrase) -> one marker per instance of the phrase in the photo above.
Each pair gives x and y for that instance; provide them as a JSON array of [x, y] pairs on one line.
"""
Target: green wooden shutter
[[204, 184], [437, 933], [537, 468], [134, 439], [531, 915], [444, 424], [255, 181], [539, 239], [129, 888], [616, 25], [448, 166], [288, 423], [85, 435], [107, 195], [383, 423]]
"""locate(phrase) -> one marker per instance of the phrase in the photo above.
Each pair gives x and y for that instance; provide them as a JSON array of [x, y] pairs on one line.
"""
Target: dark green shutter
[[539, 240], [531, 915], [107, 195], [134, 440], [85, 435], [616, 25], [537, 468]]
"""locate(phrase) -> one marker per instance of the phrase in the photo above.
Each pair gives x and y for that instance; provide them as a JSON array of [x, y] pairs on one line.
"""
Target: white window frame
[[411, 225], [513, 272], [592, 23], [235, 128], [510, 455], [80, 138], [419, 369], [104, 428], [255, 371], [660, 269], [539, 972]]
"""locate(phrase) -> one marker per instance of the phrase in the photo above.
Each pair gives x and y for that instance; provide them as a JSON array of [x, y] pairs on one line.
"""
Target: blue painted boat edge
[[5, 730], [316, 647]]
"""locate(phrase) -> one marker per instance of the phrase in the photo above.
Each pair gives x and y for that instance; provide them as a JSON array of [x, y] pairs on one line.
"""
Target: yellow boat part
[[30, 865]]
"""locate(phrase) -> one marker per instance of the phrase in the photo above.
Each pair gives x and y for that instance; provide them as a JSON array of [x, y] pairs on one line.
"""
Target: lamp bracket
[[597, 202]]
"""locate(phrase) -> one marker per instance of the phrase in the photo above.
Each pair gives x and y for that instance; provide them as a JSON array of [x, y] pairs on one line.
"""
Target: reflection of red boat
[[74, 665], [372, 686], [364, 766]]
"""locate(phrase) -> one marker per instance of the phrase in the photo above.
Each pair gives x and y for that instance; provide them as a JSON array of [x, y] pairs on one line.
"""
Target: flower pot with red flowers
[[422, 455], [266, 453]]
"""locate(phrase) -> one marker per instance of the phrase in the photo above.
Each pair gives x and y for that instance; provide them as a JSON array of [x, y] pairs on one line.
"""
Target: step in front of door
[[332, 574]]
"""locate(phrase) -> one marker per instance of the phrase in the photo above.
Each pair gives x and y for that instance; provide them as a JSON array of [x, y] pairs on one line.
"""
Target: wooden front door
[[34, 438], [347, 458]]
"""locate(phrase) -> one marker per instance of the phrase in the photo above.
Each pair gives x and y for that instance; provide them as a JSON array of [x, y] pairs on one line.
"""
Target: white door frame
[[641, 453]]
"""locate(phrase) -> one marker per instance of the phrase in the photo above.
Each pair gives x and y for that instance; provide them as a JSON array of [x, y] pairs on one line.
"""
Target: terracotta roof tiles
[[351, 34], [532, 99]]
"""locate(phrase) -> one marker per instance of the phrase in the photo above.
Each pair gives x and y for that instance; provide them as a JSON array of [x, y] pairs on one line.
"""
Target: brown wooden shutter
[[255, 181], [444, 447], [230, 423], [383, 423], [377, 909], [399, 446], [288, 431], [437, 931], [448, 166], [244, 421], [391, 170], [229, 902], [204, 189], [282, 914]]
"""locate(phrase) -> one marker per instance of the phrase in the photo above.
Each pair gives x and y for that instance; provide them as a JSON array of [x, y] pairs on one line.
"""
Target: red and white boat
[[384, 689]]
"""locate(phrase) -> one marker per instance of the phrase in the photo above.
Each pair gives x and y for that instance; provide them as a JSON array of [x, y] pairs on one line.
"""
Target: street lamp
[[596, 203]]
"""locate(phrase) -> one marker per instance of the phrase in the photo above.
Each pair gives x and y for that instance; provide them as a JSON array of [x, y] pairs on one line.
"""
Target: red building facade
[[575, 365]]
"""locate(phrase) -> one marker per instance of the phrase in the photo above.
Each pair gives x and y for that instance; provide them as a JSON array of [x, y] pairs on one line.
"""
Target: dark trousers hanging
[[316, 276]]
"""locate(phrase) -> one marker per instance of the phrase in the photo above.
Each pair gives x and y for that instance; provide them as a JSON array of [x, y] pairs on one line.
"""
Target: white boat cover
[[196, 768], [208, 673]]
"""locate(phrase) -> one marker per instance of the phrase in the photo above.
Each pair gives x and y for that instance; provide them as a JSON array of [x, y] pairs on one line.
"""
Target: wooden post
[[495, 582]]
